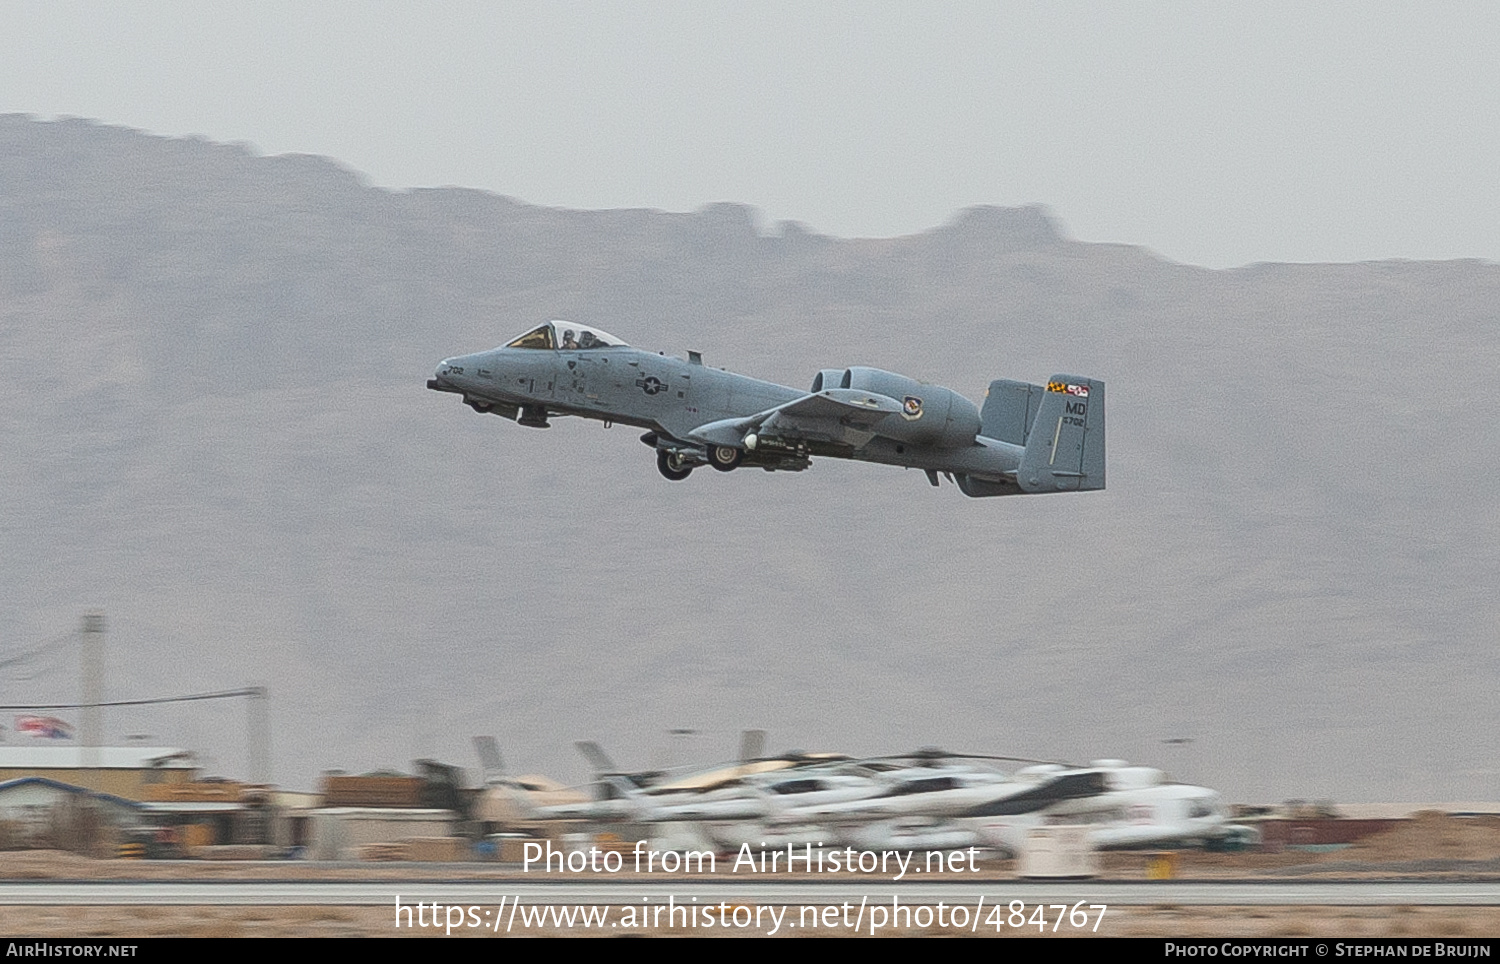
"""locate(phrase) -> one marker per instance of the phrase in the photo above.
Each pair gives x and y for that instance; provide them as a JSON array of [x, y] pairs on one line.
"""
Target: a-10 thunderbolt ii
[[1027, 438]]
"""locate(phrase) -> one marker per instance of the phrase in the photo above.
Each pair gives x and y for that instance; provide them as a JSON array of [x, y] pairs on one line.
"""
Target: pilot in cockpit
[[569, 343]]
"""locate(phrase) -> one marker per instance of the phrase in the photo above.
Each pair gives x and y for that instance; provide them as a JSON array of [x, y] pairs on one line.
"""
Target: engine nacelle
[[827, 378], [931, 414]]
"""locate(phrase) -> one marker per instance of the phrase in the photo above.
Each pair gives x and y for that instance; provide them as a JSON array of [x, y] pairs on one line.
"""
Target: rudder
[[1065, 445]]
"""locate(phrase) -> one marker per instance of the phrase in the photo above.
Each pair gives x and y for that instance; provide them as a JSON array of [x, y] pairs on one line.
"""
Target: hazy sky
[[1215, 134]]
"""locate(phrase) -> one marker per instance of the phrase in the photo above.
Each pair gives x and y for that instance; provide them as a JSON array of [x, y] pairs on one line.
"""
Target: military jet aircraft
[[931, 805], [508, 801], [1027, 438], [626, 796], [1135, 807], [1122, 806]]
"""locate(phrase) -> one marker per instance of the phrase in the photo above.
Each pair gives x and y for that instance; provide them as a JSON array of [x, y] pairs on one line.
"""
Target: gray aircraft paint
[[1028, 439]]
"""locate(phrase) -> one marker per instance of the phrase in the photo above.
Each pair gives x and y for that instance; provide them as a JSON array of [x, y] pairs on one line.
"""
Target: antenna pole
[[90, 729], [260, 735]]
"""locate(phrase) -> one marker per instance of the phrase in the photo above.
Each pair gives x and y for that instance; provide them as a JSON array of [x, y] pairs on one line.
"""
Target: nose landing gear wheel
[[725, 458], [672, 465]]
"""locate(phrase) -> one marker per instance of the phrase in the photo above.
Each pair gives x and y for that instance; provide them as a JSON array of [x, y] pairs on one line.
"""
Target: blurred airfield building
[[97, 799], [58, 791], [120, 771], [155, 802]]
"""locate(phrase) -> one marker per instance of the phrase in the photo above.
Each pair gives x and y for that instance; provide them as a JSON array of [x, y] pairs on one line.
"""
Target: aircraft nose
[[443, 379]]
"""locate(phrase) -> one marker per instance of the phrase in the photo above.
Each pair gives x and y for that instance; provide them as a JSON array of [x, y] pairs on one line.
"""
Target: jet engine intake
[[828, 378]]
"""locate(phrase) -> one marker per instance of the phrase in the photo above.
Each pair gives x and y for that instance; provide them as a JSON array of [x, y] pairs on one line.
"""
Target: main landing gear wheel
[[672, 465], [725, 458]]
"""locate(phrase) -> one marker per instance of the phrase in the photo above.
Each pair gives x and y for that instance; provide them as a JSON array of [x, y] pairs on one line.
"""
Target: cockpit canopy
[[566, 336]]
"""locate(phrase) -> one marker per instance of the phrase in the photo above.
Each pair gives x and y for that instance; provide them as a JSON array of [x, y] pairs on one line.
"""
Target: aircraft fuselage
[[696, 415]]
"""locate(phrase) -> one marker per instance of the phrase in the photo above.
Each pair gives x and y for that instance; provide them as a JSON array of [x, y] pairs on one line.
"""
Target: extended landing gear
[[725, 458], [533, 416], [673, 466]]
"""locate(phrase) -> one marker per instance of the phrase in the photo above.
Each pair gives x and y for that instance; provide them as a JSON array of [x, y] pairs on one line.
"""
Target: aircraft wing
[[973, 801], [1064, 786], [742, 808], [602, 811], [828, 415]]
